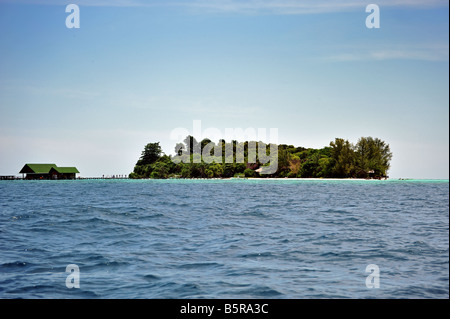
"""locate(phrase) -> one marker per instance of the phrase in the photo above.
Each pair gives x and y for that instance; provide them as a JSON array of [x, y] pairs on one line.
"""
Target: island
[[368, 158]]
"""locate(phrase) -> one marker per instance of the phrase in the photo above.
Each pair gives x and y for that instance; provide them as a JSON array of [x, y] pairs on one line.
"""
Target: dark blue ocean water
[[224, 238]]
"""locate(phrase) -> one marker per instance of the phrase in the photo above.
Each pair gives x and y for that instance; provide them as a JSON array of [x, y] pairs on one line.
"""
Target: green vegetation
[[368, 158]]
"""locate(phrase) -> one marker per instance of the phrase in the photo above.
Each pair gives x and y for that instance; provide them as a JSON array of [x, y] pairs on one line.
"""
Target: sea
[[230, 238]]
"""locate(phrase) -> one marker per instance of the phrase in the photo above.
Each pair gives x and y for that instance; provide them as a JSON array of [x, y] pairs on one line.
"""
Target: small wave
[[188, 290], [260, 292], [199, 265], [257, 255], [151, 277], [99, 262], [420, 292], [15, 266], [152, 215], [336, 211]]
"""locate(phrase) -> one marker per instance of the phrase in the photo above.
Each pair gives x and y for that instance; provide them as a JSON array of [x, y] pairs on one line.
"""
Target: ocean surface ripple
[[224, 238]]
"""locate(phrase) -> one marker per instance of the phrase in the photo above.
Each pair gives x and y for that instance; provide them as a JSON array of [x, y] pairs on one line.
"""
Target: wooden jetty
[[9, 178], [13, 178], [105, 177]]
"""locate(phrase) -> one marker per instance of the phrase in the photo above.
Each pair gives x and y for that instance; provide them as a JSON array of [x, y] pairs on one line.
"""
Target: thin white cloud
[[436, 54], [409, 55]]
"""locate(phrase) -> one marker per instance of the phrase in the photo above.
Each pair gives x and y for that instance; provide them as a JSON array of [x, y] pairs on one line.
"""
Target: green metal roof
[[66, 170], [45, 169], [37, 168]]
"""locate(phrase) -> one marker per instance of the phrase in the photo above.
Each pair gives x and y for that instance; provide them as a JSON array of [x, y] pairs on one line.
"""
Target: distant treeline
[[368, 158]]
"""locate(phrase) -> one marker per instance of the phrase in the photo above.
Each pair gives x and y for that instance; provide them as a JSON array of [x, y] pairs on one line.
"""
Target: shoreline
[[240, 179]]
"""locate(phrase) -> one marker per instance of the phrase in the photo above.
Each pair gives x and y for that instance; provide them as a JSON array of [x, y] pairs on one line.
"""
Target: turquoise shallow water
[[224, 238]]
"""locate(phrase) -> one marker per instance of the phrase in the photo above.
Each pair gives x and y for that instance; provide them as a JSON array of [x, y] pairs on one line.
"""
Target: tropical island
[[368, 158]]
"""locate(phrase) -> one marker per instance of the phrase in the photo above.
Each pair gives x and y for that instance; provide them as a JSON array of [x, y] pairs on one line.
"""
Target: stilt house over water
[[48, 171]]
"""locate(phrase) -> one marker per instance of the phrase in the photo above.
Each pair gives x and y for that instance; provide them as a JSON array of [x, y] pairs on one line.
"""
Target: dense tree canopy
[[368, 158], [150, 154]]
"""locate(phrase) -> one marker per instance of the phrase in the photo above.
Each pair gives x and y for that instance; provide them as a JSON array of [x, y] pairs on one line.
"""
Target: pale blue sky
[[135, 70]]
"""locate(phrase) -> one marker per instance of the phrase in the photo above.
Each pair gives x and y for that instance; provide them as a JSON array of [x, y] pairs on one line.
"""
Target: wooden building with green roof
[[48, 171]]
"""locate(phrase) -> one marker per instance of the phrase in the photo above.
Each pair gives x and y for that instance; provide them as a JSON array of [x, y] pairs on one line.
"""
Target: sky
[[135, 71]]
